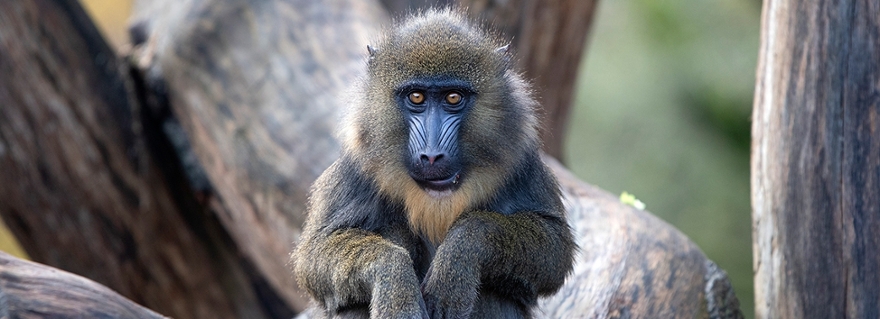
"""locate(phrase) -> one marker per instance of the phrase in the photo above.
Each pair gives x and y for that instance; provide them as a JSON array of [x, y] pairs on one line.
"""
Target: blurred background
[[661, 111]]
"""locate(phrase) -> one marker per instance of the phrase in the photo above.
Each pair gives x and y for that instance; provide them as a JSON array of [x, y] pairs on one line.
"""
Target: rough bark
[[257, 88], [82, 192], [31, 290], [816, 160]]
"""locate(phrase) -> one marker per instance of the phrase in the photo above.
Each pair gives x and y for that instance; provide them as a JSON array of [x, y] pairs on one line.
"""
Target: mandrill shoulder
[[344, 197], [530, 187]]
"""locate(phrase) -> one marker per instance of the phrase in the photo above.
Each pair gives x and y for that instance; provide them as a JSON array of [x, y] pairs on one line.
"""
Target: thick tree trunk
[[257, 89], [81, 191], [816, 160]]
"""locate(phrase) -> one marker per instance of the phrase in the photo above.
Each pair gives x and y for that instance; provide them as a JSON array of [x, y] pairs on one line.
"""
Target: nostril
[[431, 158]]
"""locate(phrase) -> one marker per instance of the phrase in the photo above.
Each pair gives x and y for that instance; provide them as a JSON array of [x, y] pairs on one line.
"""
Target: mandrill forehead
[[438, 43]]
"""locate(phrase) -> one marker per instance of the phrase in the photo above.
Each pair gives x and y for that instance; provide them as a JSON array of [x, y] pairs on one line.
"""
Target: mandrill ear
[[504, 52], [372, 51]]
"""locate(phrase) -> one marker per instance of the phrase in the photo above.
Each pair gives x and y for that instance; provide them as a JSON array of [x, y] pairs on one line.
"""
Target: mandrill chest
[[430, 216]]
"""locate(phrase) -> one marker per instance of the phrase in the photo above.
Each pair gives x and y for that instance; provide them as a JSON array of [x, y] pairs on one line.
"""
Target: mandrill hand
[[394, 298], [449, 293], [395, 292], [451, 286]]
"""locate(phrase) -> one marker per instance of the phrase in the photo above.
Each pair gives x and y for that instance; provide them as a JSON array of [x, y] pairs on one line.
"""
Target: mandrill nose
[[431, 157]]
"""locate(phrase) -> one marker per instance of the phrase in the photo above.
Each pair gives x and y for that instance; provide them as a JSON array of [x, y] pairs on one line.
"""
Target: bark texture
[[816, 160], [31, 290], [90, 185], [257, 88]]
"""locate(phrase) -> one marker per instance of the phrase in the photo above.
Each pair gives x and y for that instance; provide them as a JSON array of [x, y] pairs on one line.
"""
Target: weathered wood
[[257, 86], [32, 290], [816, 160], [632, 264], [80, 190], [549, 39]]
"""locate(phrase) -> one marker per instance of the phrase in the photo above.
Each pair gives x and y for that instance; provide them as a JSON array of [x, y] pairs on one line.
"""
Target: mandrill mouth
[[440, 184]]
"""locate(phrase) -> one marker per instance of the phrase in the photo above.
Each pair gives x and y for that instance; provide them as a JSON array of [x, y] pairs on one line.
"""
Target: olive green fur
[[372, 245]]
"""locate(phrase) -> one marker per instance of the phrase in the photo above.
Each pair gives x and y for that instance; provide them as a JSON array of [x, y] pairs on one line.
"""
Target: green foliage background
[[662, 111]]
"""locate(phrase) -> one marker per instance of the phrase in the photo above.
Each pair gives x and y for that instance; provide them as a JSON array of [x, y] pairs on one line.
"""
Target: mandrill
[[440, 205]]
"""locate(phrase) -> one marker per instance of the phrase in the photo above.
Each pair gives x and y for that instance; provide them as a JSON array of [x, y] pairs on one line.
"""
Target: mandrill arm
[[352, 264], [353, 269], [515, 257], [496, 261]]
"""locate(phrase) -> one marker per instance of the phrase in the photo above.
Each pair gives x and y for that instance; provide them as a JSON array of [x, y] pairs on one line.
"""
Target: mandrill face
[[433, 110], [441, 118], [441, 122]]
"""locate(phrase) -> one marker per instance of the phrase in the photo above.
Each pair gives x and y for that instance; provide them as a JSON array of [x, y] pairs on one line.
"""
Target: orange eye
[[453, 98], [416, 97]]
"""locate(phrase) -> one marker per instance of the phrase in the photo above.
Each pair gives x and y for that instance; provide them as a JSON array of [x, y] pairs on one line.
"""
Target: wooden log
[[32, 290], [631, 264], [257, 87], [816, 160], [82, 187]]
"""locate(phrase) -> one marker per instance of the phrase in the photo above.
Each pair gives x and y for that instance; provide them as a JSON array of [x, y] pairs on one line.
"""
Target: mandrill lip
[[441, 184]]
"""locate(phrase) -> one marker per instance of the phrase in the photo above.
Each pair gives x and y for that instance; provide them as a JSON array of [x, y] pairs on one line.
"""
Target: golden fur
[[432, 216]]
